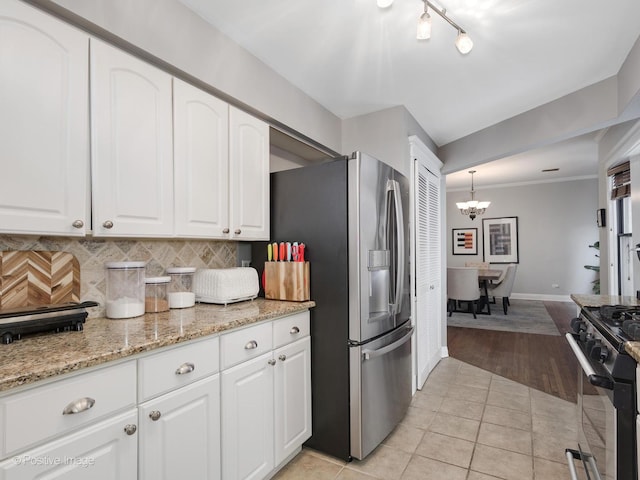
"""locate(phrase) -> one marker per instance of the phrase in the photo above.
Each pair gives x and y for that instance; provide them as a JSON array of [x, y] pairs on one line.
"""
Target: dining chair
[[462, 286], [503, 289], [481, 265]]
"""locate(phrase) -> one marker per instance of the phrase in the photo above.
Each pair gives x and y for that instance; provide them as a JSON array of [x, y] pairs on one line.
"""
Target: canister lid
[[123, 265], [157, 280], [174, 270]]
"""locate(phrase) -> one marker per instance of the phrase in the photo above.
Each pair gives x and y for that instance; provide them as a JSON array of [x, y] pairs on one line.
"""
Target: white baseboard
[[541, 297]]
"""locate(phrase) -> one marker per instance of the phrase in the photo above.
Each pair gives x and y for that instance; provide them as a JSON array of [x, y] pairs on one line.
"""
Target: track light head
[[464, 44]]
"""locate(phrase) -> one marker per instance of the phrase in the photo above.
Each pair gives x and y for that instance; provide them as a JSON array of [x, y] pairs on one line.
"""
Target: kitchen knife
[[282, 252], [288, 251], [301, 252], [275, 252], [294, 251], [269, 252]]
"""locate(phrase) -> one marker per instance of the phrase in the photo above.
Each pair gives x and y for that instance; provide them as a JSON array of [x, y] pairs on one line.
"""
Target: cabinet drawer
[[245, 344], [291, 328], [176, 367], [36, 414]]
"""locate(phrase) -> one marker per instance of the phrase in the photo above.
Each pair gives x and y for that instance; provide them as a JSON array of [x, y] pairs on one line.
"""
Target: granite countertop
[[597, 300], [42, 356]]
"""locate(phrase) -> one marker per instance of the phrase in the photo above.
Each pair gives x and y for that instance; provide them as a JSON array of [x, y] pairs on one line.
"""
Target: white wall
[[556, 225]]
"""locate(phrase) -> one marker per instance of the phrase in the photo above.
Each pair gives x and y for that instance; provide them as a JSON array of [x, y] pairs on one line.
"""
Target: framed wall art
[[465, 241], [500, 239]]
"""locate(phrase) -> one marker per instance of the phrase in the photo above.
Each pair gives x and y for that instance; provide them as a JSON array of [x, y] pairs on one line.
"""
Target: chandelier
[[463, 41], [473, 207]]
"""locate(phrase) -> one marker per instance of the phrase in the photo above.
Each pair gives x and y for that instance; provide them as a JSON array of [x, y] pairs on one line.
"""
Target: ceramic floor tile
[[508, 387], [480, 476], [470, 380], [446, 449], [502, 463], [555, 427], [467, 369], [384, 462], [470, 394], [453, 426], [462, 408], [551, 448], [435, 387], [404, 437], [427, 401], [308, 466], [421, 468], [512, 402], [506, 438], [348, 474], [506, 417], [545, 469], [543, 404], [418, 417]]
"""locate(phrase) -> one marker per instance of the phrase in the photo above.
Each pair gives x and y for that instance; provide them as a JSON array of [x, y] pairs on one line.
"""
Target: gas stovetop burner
[[615, 315], [45, 318]]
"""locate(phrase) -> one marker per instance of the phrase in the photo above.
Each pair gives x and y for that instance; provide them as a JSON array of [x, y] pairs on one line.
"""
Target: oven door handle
[[594, 379]]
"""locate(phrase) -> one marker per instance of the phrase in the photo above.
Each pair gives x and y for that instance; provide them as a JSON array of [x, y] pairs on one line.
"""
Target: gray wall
[[556, 225]]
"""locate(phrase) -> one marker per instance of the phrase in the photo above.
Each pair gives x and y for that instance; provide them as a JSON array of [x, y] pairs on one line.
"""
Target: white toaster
[[225, 285]]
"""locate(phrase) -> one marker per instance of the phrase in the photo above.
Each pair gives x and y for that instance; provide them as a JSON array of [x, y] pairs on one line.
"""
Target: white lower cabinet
[[247, 419], [266, 401], [103, 451], [180, 433]]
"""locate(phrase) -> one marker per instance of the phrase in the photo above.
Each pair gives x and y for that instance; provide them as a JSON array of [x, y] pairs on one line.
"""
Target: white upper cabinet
[[249, 176], [201, 163], [131, 152], [44, 136]]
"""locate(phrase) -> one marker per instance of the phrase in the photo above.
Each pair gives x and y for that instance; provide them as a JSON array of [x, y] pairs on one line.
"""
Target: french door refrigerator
[[351, 213]]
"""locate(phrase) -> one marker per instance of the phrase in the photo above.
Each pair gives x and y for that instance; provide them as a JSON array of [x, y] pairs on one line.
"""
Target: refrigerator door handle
[[394, 186], [371, 354]]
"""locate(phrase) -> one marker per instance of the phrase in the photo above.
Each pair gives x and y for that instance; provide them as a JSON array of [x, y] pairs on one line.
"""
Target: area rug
[[523, 316]]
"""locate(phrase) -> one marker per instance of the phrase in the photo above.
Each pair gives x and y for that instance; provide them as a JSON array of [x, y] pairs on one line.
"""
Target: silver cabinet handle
[[251, 345], [80, 405], [226, 230], [282, 358], [294, 330], [238, 231], [78, 224], [108, 224], [271, 362], [187, 367], [155, 415], [130, 429]]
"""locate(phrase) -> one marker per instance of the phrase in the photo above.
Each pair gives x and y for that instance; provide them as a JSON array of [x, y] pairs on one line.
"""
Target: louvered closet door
[[428, 266]]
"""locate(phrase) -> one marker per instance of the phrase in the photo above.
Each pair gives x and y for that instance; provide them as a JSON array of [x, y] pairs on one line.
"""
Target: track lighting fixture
[[463, 42]]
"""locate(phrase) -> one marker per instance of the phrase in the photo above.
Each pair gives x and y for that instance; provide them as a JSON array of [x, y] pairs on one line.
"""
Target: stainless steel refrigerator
[[352, 216]]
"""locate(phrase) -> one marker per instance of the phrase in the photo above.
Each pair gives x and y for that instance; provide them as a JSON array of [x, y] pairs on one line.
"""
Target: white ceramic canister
[[125, 289], [181, 293]]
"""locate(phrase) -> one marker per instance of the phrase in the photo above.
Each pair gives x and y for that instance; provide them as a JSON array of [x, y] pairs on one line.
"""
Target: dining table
[[485, 277]]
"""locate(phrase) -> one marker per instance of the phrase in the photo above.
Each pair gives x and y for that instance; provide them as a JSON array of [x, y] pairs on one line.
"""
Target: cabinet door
[[131, 150], [44, 124], [247, 419], [292, 397], [180, 433], [201, 163], [249, 176], [104, 451]]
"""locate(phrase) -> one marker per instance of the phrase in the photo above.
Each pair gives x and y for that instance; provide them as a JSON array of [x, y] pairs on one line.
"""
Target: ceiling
[[355, 58]]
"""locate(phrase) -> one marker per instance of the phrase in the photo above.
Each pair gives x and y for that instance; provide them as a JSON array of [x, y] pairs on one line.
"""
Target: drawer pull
[[294, 330], [251, 345], [78, 406], [130, 429], [271, 362], [282, 358], [187, 367], [155, 415]]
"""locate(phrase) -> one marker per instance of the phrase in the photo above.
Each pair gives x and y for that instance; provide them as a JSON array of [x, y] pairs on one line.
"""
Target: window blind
[[621, 180]]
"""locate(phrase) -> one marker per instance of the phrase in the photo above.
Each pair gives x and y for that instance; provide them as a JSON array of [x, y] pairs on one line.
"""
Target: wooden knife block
[[286, 281]]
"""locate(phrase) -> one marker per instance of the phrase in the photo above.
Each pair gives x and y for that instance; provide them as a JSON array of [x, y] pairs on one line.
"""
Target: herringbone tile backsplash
[[92, 254]]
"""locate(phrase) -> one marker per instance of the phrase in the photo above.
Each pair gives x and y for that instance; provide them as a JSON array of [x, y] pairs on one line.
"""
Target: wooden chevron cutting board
[[34, 278]]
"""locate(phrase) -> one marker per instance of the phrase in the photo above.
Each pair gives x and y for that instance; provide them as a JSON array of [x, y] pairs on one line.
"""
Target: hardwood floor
[[543, 362]]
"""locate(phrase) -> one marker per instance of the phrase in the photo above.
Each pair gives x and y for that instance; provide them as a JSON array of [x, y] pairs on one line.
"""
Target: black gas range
[[606, 391]]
